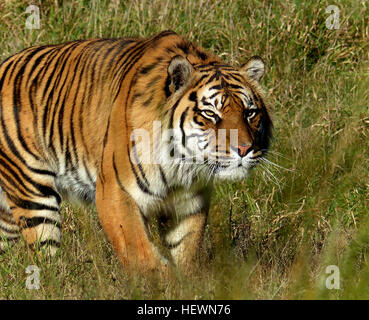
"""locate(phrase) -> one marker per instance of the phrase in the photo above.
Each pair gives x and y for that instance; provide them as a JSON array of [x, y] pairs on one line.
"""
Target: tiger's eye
[[249, 114], [209, 113]]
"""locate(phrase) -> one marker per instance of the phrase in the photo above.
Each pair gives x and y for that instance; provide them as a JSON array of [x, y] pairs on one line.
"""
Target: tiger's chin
[[233, 173]]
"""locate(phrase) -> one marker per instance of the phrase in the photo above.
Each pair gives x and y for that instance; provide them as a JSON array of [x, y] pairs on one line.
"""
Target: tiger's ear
[[254, 68], [179, 73]]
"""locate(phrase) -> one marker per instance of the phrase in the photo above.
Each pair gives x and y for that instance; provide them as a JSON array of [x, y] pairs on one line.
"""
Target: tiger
[[80, 119]]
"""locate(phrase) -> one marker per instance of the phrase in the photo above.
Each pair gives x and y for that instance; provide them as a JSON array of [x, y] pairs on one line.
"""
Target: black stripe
[[138, 180], [17, 100], [101, 173], [234, 86], [200, 123], [140, 45], [217, 74], [216, 87], [153, 81], [45, 190], [127, 60], [184, 46], [205, 146], [214, 95], [138, 162], [136, 96], [148, 101], [235, 77], [89, 93], [9, 141], [68, 157], [193, 96], [56, 91], [120, 184], [30, 205], [166, 86], [14, 176], [200, 80], [81, 74], [148, 68], [138, 51], [59, 114], [4, 74], [106, 133], [63, 55], [17, 154], [130, 60], [202, 55], [36, 221], [140, 184], [18, 59], [204, 102], [183, 116], [172, 114], [5, 178], [72, 114], [2, 228], [133, 56], [49, 242], [38, 62], [117, 55], [89, 176], [163, 178]]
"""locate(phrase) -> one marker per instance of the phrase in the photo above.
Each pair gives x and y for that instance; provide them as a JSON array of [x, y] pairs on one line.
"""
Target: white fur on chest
[[180, 201]]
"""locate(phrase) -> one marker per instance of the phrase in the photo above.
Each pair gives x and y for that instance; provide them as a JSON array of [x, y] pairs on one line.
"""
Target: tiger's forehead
[[219, 94]]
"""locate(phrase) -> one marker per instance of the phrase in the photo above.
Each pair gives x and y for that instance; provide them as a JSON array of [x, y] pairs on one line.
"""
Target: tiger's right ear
[[179, 73], [254, 68]]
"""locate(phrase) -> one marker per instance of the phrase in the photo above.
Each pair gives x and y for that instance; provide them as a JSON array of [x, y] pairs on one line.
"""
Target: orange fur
[[68, 113]]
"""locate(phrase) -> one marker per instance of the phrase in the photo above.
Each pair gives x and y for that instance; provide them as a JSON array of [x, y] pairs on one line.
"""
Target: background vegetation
[[272, 236]]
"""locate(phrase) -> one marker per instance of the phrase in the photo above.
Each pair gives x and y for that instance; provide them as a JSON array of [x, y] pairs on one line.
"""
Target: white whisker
[[271, 176], [276, 153], [274, 164]]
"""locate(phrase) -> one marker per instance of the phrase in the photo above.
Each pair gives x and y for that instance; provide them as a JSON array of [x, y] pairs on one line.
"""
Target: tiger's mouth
[[230, 168], [236, 168]]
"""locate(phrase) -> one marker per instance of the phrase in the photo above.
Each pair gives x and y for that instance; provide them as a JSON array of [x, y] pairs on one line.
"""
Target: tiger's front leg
[[185, 240], [126, 229]]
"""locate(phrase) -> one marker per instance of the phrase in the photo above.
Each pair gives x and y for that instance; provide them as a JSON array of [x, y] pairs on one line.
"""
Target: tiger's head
[[218, 116]]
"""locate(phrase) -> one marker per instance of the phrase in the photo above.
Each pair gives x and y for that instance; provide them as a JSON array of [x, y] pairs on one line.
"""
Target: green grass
[[272, 236]]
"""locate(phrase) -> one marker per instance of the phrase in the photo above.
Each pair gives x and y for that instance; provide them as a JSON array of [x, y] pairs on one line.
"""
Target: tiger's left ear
[[254, 68], [179, 73]]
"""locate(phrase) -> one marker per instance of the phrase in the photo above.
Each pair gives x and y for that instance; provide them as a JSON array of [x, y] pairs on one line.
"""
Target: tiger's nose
[[243, 149]]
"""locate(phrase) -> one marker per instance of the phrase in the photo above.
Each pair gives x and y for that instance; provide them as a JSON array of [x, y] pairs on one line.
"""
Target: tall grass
[[273, 235]]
